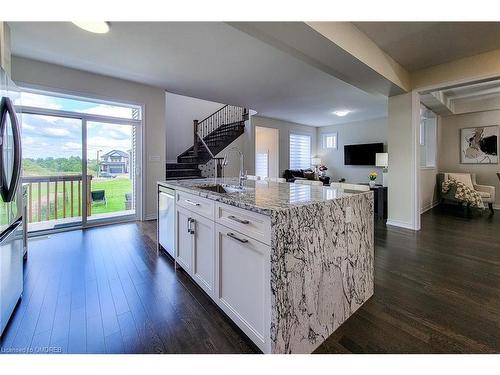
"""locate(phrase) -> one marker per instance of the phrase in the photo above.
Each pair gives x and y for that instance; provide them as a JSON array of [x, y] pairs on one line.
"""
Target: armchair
[[486, 192]]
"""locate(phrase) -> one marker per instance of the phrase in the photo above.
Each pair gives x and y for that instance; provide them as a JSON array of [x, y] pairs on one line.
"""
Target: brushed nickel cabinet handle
[[241, 221], [191, 202], [236, 238], [190, 229]]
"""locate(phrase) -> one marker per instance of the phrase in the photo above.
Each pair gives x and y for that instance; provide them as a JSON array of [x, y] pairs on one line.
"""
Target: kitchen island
[[288, 263]]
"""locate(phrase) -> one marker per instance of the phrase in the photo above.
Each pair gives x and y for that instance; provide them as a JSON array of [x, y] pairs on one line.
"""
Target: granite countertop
[[262, 196]]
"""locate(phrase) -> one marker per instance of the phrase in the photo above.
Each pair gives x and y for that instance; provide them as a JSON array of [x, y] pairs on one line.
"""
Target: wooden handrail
[[49, 208], [69, 177]]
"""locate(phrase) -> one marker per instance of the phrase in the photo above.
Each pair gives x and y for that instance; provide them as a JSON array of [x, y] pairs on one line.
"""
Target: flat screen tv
[[363, 154]]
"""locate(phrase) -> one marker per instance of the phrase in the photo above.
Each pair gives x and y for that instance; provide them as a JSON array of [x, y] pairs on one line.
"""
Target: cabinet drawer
[[249, 223], [196, 204]]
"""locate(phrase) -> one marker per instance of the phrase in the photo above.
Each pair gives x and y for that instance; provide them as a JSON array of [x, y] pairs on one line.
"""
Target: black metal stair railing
[[215, 127], [228, 114]]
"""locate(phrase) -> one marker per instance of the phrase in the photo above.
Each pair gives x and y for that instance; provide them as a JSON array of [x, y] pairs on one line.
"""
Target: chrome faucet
[[243, 175]]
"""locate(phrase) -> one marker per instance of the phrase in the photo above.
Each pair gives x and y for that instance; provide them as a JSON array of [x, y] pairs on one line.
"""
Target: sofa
[[297, 174], [486, 192]]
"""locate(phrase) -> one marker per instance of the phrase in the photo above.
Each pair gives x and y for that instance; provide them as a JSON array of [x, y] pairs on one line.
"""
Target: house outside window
[[300, 151], [115, 162]]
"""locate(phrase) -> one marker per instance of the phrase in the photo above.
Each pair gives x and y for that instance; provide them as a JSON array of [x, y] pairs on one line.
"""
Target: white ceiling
[[491, 87], [474, 97], [207, 60], [417, 45]]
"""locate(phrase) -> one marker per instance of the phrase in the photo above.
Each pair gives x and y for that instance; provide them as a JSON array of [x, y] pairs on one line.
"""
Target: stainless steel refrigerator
[[11, 211]]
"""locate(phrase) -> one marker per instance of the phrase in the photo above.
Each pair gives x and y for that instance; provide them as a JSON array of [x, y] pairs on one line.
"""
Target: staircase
[[210, 136]]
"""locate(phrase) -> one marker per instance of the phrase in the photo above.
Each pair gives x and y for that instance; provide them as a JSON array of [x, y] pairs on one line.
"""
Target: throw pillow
[[309, 175], [464, 178]]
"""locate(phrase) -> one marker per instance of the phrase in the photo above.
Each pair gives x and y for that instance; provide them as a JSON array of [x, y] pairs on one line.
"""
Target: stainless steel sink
[[222, 188]]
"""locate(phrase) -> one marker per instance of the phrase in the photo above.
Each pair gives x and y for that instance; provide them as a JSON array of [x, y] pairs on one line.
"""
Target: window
[[37, 99], [261, 164], [428, 138], [300, 151], [330, 140]]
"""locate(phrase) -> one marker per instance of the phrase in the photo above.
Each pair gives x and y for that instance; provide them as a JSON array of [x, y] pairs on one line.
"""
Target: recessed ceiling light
[[342, 113], [100, 27]]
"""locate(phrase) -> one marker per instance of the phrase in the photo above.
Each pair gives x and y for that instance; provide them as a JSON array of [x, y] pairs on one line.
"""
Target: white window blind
[[261, 164], [330, 140], [300, 151]]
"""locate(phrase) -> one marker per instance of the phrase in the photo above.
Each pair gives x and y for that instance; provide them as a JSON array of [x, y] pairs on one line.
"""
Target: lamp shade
[[382, 159], [315, 161]]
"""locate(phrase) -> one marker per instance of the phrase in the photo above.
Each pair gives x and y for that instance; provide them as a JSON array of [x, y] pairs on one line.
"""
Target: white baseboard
[[496, 207], [401, 224], [429, 207]]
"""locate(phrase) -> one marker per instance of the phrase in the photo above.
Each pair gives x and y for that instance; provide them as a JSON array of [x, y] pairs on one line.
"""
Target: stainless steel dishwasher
[[166, 220]]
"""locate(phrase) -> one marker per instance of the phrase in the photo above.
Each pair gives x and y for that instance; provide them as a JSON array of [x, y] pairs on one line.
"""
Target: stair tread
[[217, 140]]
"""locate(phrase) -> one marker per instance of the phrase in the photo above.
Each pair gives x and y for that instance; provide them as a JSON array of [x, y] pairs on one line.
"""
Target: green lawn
[[115, 189]]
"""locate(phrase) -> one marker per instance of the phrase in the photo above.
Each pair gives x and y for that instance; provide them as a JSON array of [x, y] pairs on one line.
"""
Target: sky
[[47, 136]]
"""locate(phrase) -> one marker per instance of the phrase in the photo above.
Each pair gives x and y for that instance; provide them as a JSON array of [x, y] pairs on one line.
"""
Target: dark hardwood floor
[[103, 290]]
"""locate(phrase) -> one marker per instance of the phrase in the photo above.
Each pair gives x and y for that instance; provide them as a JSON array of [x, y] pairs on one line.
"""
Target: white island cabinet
[[222, 248], [195, 240], [287, 263], [242, 284]]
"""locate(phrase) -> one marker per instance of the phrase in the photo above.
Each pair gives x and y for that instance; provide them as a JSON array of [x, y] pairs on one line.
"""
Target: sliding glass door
[[52, 171], [111, 159], [62, 137]]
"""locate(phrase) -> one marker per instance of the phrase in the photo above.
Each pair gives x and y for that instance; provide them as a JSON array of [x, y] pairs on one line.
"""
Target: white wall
[[267, 141], [59, 78], [428, 155], [369, 131], [428, 190], [5, 57], [402, 139], [232, 168], [284, 128], [181, 111], [449, 147]]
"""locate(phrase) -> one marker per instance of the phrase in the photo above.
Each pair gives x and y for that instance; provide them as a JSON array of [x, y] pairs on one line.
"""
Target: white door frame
[[85, 118]]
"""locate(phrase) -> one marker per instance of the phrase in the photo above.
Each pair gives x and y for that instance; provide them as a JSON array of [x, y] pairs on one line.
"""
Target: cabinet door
[[242, 284], [184, 239], [204, 253]]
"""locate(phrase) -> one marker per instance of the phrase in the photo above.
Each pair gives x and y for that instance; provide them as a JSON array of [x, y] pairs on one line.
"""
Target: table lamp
[[382, 160], [316, 162]]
